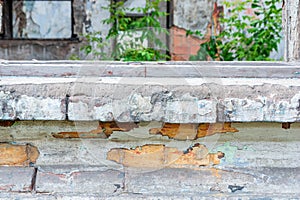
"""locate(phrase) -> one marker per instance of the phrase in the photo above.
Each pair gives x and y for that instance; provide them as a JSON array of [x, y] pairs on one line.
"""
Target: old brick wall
[[182, 47]]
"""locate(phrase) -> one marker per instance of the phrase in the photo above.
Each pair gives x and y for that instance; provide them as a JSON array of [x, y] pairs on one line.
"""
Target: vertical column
[[291, 27]]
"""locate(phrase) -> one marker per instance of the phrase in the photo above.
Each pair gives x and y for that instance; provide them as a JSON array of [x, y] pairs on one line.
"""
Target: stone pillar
[[291, 28]]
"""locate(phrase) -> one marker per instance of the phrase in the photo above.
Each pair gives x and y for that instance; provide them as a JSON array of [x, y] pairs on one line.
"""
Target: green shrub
[[147, 26], [245, 38]]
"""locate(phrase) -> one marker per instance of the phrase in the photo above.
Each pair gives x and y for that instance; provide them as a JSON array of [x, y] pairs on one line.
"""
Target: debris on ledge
[[158, 156], [192, 131]]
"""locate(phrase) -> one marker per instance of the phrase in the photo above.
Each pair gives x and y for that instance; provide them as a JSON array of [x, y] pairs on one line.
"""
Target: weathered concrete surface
[[128, 196], [182, 69], [186, 92], [64, 179], [260, 161], [251, 181], [255, 145], [186, 12], [16, 179], [235, 183]]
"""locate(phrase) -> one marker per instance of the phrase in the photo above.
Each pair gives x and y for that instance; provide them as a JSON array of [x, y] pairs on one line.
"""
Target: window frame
[[7, 24]]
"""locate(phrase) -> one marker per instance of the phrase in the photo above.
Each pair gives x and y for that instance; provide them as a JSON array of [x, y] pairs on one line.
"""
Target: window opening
[[36, 19]]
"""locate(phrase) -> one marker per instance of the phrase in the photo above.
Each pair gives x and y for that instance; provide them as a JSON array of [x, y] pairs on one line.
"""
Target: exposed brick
[[182, 47], [177, 40], [194, 49], [178, 31], [176, 57], [104, 182], [185, 50], [16, 179], [18, 155], [104, 130], [192, 131], [159, 156]]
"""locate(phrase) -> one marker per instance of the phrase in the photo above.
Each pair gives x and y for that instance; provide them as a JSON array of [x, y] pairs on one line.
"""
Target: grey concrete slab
[[128, 196], [16, 179], [242, 181], [149, 69], [242, 92], [67, 179], [33, 101]]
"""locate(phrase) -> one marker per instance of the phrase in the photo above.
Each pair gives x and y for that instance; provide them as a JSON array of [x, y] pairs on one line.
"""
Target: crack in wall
[[32, 187], [67, 101]]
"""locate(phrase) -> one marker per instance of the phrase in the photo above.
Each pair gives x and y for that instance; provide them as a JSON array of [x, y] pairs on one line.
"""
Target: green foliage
[[145, 54], [74, 57], [95, 45], [207, 50], [246, 37], [131, 32]]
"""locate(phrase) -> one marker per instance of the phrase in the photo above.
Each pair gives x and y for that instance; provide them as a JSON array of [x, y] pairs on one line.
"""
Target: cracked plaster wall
[[193, 14]]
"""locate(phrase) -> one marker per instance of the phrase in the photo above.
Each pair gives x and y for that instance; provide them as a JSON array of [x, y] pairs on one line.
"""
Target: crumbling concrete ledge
[[175, 92]]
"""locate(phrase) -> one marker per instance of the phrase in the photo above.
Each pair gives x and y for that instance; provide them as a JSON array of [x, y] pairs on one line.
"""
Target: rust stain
[[104, 130], [110, 72], [18, 155], [192, 131], [286, 125], [7, 123], [158, 156]]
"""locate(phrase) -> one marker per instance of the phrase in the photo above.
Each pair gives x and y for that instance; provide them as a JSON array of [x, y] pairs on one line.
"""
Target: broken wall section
[[198, 16]]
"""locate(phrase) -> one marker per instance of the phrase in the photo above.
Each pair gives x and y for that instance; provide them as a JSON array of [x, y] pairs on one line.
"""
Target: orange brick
[[183, 50], [177, 40], [192, 131], [18, 155], [180, 57], [178, 31], [153, 156], [194, 49]]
